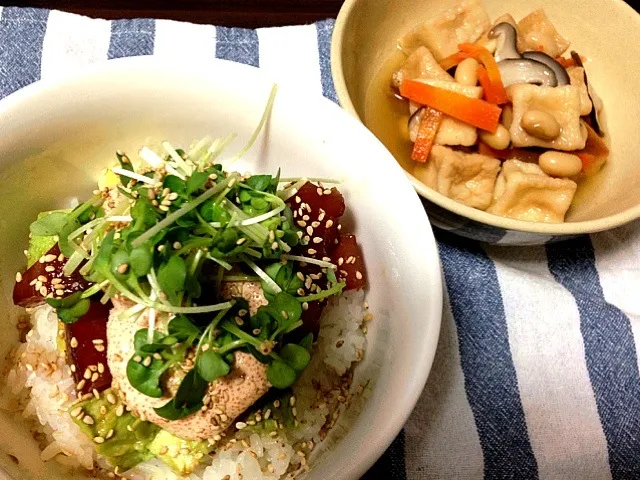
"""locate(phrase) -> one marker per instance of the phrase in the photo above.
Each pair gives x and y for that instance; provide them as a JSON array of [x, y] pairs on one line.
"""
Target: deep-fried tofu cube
[[537, 33], [466, 178], [524, 192], [420, 65], [464, 22], [576, 76], [563, 103], [491, 44]]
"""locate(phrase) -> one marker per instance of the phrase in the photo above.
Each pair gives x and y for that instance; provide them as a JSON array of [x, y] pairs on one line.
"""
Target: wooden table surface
[[237, 13]]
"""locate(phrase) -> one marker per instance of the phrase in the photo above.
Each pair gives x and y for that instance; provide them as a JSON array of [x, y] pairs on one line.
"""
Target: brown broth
[[387, 116]]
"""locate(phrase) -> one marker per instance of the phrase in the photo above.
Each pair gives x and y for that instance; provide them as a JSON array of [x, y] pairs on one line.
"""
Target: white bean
[[467, 72], [560, 164], [540, 124], [498, 140], [506, 118]]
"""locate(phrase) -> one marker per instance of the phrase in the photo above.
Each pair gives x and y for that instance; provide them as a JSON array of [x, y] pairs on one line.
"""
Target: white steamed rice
[[39, 384]]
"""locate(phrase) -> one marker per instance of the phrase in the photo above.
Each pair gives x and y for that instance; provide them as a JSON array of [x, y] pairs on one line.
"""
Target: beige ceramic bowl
[[607, 32]]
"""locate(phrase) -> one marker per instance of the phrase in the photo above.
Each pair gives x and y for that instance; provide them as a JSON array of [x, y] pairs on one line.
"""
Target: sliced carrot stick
[[473, 111], [429, 124], [453, 60], [494, 91]]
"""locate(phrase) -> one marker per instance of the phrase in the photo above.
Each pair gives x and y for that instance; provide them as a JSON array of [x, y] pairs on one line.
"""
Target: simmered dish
[[189, 321], [501, 116]]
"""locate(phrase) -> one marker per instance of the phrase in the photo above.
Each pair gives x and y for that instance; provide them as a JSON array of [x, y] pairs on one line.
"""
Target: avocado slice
[[122, 439], [40, 244], [125, 440], [280, 414], [183, 456]]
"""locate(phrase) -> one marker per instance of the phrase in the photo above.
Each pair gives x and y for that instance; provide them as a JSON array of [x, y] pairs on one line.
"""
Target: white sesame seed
[[56, 281], [111, 398], [18, 277], [147, 361], [98, 439], [49, 268], [101, 368], [43, 291], [74, 342], [359, 275], [99, 348], [164, 208], [241, 425], [88, 420], [49, 258], [317, 240], [87, 374], [95, 376]]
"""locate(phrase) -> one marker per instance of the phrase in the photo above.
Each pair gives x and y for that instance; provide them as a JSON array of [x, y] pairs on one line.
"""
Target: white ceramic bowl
[[57, 136]]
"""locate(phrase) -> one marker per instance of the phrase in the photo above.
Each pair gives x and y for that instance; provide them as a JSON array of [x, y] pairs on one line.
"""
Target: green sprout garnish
[[178, 227]]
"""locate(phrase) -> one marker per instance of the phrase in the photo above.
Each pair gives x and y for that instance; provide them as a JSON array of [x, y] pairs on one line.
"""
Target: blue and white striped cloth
[[536, 374]]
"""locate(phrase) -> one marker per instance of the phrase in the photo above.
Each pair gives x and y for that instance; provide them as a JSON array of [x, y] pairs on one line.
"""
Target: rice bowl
[[377, 361]]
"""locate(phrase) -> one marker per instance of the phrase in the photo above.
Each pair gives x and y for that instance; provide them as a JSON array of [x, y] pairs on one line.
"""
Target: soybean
[[467, 72], [560, 164], [540, 124], [498, 140]]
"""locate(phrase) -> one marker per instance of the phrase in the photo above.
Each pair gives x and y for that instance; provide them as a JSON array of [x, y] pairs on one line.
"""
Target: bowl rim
[[351, 468], [480, 216]]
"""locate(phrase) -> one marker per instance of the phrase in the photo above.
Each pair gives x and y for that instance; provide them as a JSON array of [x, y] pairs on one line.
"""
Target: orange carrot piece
[[494, 92], [588, 160], [566, 62], [480, 114], [429, 124], [453, 60], [483, 80], [594, 154]]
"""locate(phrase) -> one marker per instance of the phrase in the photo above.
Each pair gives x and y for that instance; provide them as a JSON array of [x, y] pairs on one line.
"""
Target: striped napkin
[[536, 374]]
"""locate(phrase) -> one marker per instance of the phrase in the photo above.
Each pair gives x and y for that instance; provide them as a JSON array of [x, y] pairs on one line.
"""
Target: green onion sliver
[[202, 309], [151, 157], [262, 218], [265, 115], [314, 261], [337, 288], [186, 208], [74, 262], [263, 275], [136, 176]]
